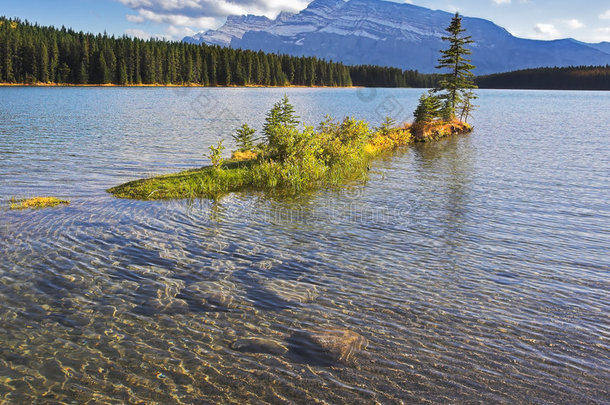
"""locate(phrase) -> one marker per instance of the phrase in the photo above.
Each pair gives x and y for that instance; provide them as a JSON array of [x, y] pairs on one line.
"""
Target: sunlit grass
[[37, 202]]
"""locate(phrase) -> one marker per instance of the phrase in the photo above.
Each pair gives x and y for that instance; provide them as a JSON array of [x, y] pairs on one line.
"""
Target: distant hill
[[374, 32], [571, 78]]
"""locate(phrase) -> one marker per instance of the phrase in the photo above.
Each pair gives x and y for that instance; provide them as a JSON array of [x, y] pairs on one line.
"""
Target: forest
[[33, 54], [567, 78]]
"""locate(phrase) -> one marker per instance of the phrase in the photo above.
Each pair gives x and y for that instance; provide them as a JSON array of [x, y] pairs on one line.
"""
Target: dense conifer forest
[[30, 54], [33, 54], [568, 78]]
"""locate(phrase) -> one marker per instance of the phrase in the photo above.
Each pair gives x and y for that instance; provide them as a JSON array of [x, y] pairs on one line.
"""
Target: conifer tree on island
[[453, 96]]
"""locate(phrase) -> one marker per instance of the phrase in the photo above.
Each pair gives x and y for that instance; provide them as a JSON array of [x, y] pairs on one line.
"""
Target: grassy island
[[290, 160]]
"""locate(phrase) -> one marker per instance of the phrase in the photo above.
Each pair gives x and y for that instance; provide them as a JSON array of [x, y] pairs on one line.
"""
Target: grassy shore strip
[[341, 156], [37, 203]]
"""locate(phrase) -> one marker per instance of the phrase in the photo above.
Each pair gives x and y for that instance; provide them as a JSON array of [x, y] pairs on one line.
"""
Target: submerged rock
[[211, 295], [165, 306], [161, 296], [259, 345], [292, 291], [327, 344], [169, 288]]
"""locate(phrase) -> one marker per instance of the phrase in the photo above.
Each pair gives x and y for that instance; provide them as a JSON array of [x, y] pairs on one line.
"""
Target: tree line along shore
[[33, 54], [45, 56]]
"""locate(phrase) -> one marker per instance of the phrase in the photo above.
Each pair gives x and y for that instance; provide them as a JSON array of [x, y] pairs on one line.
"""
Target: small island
[[289, 160]]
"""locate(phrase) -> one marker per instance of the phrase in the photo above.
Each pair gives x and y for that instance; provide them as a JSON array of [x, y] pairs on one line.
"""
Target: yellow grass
[[243, 155], [37, 202], [429, 131], [388, 141]]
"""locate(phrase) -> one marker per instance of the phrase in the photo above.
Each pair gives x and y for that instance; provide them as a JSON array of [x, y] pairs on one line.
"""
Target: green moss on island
[[291, 160]]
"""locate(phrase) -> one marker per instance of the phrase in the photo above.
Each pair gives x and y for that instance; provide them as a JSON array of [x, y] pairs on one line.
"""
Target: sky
[[584, 20]]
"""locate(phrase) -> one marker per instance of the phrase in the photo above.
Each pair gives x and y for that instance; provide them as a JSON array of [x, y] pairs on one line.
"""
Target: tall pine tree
[[455, 84]]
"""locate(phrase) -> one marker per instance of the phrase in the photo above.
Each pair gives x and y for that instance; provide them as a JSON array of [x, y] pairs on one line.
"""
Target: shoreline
[[254, 86], [194, 85]]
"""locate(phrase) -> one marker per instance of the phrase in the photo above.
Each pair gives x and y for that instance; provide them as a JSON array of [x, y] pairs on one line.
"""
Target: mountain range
[[384, 33]]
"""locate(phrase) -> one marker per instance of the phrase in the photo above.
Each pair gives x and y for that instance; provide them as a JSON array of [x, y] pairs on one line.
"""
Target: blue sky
[[585, 20]]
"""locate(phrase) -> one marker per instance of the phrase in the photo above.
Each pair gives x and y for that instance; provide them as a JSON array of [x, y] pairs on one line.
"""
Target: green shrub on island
[[387, 125], [216, 154]]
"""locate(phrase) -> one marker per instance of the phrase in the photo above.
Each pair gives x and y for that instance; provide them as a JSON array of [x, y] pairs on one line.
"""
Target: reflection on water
[[470, 270]]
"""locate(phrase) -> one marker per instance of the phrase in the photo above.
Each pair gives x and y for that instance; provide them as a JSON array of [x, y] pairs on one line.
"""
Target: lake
[[477, 268]]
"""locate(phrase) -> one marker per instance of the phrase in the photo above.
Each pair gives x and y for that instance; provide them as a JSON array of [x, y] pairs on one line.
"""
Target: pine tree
[[205, 80], [454, 85], [53, 60], [266, 71], [123, 80], [212, 62], [187, 75], [103, 73], [83, 78], [282, 114], [257, 70], [43, 67], [225, 70], [280, 128], [244, 138], [428, 109]]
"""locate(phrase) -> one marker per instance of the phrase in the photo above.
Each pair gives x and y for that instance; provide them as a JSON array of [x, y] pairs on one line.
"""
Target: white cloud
[[502, 1], [546, 31], [179, 32], [605, 15], [170, 33], [216, 8], [191, 15], [132, 32], [173, 19], [574, 24]]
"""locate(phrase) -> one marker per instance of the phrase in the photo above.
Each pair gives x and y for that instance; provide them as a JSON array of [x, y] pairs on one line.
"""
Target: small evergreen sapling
[[429, 108], [282, 114], [281, 130], [244, 138], [387, 125]]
